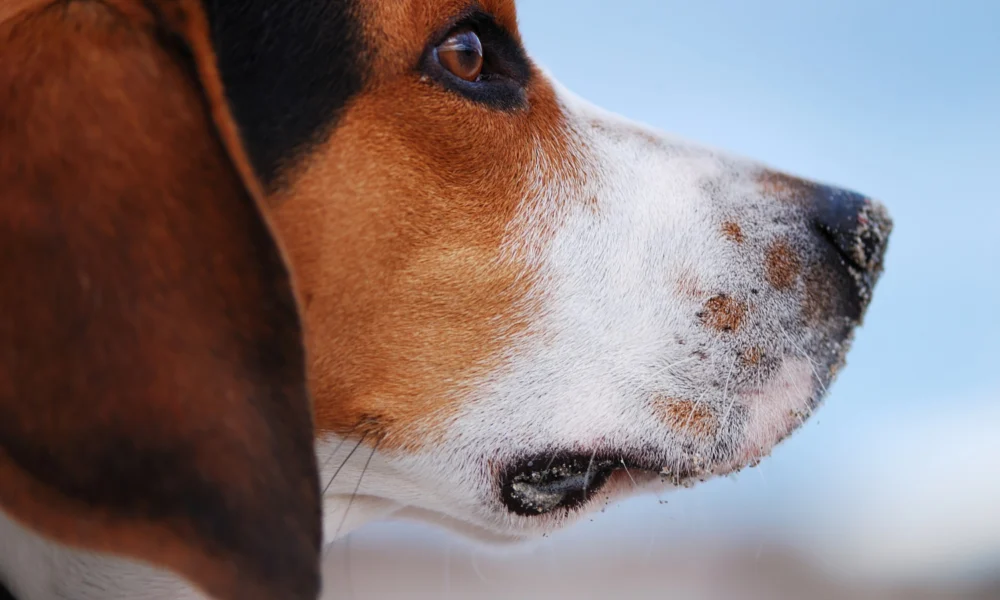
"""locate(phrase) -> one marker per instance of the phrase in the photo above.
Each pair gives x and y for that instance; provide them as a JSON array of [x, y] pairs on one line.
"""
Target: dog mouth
[[541, 485]]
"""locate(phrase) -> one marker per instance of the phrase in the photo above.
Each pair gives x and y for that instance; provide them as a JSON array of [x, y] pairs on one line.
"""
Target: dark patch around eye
[[506, 70], [289, 67]]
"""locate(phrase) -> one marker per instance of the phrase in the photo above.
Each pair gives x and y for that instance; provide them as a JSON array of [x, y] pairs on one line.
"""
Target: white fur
[[606, 339], [613, 331]]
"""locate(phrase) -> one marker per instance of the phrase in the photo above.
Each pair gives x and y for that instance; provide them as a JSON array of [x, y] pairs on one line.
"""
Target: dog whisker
[[694, 409], [555, 454], [349, 455], [634, 484], [590, 465], [357, 487], [334, 452], [674, 365], [729, 409]]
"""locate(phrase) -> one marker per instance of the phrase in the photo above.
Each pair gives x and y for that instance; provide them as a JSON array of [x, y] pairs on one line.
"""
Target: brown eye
[[462, 55]]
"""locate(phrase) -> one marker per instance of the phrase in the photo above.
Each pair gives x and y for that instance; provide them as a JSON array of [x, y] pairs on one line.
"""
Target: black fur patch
[[289, 67]]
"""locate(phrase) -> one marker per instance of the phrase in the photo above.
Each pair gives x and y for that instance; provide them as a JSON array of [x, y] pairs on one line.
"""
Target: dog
[[272, 270]]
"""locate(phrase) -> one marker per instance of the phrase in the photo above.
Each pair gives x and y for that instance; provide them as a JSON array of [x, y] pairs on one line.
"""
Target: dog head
[[515, 307], [518, 306]]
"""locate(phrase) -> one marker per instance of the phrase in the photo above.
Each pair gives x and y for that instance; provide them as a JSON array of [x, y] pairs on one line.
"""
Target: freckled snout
[[850, 232]]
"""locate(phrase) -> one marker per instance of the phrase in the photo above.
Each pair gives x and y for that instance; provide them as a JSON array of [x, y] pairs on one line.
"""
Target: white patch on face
[[643, 298]]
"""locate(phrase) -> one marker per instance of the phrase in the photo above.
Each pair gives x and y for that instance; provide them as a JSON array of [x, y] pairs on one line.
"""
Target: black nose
[[857, 227]]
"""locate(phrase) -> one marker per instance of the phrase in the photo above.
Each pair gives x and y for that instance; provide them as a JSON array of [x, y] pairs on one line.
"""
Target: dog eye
[[479, 60], [462, 55]]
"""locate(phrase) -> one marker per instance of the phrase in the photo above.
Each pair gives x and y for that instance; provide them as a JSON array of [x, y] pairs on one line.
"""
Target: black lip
[[543, 484]]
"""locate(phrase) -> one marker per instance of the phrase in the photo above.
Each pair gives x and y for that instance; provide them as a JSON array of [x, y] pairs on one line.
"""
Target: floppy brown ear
[[153, 400]]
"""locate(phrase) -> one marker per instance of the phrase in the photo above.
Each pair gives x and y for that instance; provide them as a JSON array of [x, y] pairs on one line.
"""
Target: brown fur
[[397, 251], [733, 231], [688, 417], [723, 313], [752, 356], [152, 393], [149, 284], [786, 188], [782, 265]]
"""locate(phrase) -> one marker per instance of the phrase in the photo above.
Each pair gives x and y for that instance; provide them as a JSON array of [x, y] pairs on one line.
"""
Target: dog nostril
[[856, 226]]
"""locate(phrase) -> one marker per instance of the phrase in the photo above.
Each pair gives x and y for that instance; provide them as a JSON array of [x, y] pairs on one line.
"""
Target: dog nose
[[857, 227]]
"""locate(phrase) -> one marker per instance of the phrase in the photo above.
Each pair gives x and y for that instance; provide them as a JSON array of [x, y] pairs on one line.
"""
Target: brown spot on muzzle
[[785, 187], [687, 417], [782, 266], [733, 231], [751, 356], [723, 313]]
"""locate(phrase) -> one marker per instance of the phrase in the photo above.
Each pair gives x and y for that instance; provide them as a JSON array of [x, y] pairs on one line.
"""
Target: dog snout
[[848, 237]]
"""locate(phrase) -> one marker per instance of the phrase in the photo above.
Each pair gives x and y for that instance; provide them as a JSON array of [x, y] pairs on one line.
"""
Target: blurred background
[[893, 489]]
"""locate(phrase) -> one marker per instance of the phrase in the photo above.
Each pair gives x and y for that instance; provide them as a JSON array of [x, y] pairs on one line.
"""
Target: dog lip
[[540, 485]]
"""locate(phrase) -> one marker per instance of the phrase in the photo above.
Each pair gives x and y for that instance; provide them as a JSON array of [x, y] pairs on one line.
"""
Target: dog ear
[[153, 400]]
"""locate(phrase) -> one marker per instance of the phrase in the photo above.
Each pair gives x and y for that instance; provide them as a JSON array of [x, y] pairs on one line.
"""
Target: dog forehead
[[291, 68]]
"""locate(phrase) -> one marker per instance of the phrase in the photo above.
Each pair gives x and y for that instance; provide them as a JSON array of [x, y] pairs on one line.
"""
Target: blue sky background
[[897, 99], [899, 473]]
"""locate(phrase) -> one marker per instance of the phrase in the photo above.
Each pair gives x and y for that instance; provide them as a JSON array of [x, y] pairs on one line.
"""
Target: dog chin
[[511, 529], [366, 509], [471, 531]]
